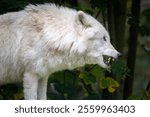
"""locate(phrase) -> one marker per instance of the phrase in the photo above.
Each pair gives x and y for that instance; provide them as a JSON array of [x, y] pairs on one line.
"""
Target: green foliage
[[76, 84], [119, 68], [109, 83], [85, 83], [146, 14], [11, 91], [87, 77], [143, 29]]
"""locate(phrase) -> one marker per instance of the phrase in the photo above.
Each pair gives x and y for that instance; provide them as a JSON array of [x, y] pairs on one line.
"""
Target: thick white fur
[[43, 39]]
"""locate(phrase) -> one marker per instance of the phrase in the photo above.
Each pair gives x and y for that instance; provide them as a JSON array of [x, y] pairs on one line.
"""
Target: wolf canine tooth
[[109, 59]]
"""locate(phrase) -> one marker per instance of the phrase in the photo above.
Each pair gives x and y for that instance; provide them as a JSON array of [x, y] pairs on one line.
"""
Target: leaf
[[119, 68], [18, 96], [82, 75], [110, 84], [111, 89], [113, 85], [88, 77], [104, 83], [144, 30], [146, 13], [97, 72]]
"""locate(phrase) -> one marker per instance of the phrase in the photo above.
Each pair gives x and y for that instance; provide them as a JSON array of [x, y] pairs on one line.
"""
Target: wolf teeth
[[108, 60], [113, 59]]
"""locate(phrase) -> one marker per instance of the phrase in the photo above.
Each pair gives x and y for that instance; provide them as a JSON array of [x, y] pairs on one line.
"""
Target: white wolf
[[43, 39]]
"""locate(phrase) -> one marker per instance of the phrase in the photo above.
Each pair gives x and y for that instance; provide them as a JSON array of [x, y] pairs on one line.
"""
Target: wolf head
[[95, 40]]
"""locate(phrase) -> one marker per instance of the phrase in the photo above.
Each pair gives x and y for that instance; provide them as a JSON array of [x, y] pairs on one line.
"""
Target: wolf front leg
[[30, 83], [42, 89]]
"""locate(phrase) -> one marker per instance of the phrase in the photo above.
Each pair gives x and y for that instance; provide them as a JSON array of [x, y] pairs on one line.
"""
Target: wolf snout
[[119, 55]]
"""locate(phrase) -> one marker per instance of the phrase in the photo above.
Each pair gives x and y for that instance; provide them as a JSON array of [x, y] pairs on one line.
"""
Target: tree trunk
[[111, 22], [116, 22], [131, 58], [116, 13], [120, 8], [120, 23]]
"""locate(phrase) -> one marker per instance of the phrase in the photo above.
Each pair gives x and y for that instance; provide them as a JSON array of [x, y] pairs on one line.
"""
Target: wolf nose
[[119, 55]]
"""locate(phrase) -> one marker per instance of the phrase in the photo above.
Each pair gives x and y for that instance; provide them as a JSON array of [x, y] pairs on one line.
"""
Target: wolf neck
[[70, 62], [76, 61]]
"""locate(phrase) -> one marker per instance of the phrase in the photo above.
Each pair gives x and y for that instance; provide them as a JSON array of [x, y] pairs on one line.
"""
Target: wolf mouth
[[108, 60]]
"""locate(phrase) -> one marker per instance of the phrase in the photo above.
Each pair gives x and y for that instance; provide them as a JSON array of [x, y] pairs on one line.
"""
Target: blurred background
[[128, 22]]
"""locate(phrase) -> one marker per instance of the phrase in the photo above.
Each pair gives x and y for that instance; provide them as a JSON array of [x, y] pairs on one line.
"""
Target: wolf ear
[[81, 19]]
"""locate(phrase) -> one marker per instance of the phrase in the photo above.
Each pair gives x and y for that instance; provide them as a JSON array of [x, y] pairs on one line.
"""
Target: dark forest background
[[128, 22]]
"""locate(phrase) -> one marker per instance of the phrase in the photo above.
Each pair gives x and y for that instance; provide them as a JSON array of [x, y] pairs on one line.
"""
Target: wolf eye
[[104, 38]]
